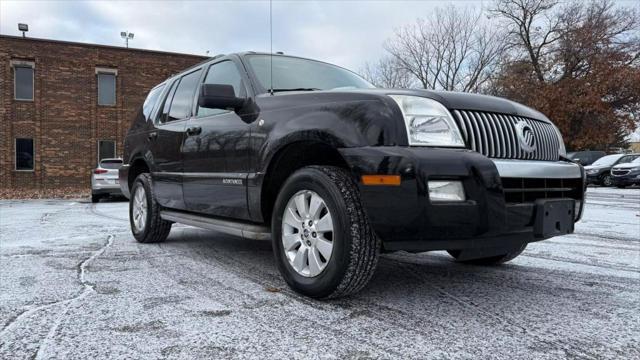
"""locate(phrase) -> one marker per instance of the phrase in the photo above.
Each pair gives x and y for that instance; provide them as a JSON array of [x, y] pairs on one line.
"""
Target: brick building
[[64, 105]]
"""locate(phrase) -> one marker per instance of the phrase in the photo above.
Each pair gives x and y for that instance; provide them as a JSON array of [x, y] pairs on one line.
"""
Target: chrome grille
[[619, 172], [495, 135]]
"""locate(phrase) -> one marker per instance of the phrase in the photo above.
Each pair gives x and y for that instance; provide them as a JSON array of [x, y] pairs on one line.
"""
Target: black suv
[[335, 171]]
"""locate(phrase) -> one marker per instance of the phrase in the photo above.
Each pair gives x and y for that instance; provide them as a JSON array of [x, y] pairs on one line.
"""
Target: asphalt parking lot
[[75, 284]]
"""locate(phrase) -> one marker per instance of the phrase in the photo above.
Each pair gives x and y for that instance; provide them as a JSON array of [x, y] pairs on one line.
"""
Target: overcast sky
[[346, 33]]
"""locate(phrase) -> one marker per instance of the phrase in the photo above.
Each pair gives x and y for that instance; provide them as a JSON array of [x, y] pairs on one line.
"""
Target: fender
[[339, 119]]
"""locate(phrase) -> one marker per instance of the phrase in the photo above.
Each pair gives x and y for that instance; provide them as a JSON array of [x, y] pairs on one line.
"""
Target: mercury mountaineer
[[335, 171]]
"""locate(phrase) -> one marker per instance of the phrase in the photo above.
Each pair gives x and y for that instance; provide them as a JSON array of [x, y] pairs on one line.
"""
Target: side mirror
[[219, 96]]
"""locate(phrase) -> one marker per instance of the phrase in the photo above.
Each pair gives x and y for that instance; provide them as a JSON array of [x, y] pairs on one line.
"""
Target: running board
[[242, 229]]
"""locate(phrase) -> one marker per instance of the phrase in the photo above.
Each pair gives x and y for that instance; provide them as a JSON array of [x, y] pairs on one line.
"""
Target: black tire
[[355, 245], [95, 198], [493, 260], [155, 229], [620, 186], [606, 180]]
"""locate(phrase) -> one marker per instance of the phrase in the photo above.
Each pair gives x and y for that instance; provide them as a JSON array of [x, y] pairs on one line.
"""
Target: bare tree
[[387, 72], [578, 62], [531, 28], [454, 49]]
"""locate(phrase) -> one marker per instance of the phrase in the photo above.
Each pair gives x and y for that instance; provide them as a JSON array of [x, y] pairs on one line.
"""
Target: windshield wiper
[[294, 89]]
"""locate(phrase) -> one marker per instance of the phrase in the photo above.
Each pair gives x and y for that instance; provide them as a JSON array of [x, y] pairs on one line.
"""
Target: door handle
[[195, 130], [152, 135]]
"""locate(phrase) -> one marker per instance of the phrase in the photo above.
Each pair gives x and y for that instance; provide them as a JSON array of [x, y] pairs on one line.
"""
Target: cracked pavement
[[74, 284]]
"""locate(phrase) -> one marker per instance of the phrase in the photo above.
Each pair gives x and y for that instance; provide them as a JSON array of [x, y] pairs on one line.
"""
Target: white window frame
[[107, 71], [24, 64], [15, 154], [115, 149]]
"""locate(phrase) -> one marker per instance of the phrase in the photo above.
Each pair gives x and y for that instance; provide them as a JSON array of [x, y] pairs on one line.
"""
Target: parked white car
[[104, 179]]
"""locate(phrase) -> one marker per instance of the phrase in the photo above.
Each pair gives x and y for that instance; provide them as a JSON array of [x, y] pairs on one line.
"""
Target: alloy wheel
[[307, 233], [140, 209]]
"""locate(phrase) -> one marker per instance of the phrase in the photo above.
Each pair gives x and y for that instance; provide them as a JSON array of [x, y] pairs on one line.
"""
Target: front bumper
[[625, 180], [593, 178], [405, 218]]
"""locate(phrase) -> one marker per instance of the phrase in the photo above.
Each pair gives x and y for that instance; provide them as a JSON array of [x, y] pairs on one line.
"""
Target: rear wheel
[[95, 198], [323, 244], [492, 260], [144, 212]]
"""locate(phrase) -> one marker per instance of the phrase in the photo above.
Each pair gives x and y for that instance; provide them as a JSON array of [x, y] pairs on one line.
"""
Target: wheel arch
[[137, 166], [290, 158]]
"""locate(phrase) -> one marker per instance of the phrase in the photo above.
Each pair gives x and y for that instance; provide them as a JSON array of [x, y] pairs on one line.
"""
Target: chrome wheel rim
[[307, 233], [139, 209]]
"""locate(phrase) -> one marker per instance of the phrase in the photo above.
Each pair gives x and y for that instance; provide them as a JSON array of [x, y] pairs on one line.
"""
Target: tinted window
[[23, 83], [225, 73], [106, 89], [163, 115], [106, 149], [111, 164], [293, 73], [183, 98], [24, 154], [151, 101]]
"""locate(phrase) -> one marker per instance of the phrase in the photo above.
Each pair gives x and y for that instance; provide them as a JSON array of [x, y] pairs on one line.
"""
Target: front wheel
[[493, 260], [606, 180], [323, 243], [144, 212]]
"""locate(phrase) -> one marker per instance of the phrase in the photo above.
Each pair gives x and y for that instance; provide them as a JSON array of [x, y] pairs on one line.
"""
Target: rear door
[[216, 154], [166, 140]]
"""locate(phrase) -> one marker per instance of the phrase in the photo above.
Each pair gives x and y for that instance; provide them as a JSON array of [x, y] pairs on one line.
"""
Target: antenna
[[271, 42]]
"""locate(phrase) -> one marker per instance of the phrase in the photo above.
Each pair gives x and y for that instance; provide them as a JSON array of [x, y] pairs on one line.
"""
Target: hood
[[463, 101], [591, 167], [627, 166]]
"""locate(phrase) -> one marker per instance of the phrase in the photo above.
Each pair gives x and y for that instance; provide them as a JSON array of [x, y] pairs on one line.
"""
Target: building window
[[106, 149], [23, 79], [24, 154], [106, 86]]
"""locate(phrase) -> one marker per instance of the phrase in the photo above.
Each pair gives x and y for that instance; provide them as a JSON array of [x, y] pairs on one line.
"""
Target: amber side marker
[[392, 180]]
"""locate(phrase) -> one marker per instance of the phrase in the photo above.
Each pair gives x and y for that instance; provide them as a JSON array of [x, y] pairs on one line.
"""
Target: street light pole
[[126, 36]]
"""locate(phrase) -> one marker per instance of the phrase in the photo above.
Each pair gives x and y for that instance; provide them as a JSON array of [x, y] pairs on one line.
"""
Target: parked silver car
[[104, 179]]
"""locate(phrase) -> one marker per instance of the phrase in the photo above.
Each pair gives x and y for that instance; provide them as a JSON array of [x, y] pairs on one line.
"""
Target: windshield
[[293, 74], [628, 159], [607, 160]]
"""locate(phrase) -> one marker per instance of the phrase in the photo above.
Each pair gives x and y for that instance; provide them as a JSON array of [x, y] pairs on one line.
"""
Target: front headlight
[[562, 151], [592, 171], [428, 122]]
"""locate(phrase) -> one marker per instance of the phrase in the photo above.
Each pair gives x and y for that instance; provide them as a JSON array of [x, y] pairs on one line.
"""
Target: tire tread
[[365, 245]]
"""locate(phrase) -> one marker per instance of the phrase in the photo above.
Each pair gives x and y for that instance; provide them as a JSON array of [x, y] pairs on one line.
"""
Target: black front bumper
[[405, 218], [594, 179], [625, 180]]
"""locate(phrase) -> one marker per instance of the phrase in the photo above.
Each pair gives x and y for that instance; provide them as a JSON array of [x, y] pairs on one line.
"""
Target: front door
[[216, 153], [167, 137]]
